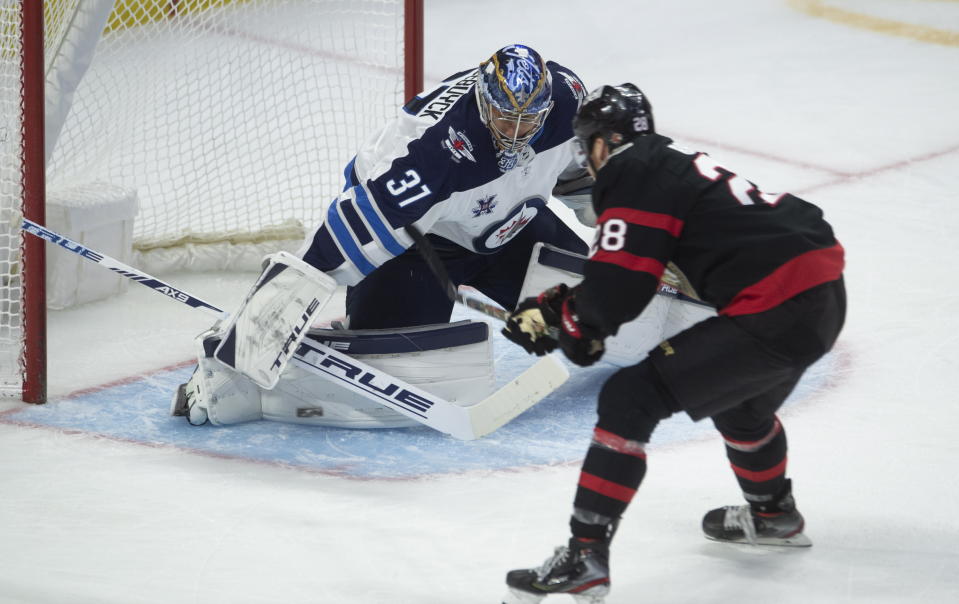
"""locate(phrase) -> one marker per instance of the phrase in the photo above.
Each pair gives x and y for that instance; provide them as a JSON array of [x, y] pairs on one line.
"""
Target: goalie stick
[[466, 423]]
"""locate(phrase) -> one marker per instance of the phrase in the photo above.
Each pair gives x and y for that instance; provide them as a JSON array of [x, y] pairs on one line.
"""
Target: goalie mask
[[617, 114], [514, 94]]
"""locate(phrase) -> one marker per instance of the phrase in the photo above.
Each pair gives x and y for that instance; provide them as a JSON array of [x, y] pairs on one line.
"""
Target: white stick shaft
[[122, 269]]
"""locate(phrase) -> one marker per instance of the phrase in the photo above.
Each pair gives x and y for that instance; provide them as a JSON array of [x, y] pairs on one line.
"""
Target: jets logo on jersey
[[579, 91], [484, 206], [509, 230], [459, 146], [499, 233]]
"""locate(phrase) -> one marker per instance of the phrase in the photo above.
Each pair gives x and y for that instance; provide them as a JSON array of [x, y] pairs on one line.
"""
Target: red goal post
[[230, 121]]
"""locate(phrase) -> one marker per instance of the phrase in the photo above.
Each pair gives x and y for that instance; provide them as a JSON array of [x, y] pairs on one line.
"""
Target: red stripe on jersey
[[794, 277], [631, 262], [618, 443], [773, 472], [670, 224], [606, 487]]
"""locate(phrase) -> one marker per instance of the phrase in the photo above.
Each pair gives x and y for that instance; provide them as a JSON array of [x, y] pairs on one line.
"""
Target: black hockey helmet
[[618, 114]]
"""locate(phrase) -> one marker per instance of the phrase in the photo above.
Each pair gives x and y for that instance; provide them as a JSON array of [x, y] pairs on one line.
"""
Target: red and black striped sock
[[612, 471], [759, 462]]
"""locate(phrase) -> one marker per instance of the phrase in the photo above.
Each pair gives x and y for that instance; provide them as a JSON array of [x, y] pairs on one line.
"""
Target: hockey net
[[230, 120]]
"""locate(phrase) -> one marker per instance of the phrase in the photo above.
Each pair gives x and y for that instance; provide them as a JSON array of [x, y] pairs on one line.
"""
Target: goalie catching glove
[[549, 320]]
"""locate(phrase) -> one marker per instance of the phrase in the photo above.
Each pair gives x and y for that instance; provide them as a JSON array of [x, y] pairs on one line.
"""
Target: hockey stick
[[432, 259], [465, 423], [491, 310]]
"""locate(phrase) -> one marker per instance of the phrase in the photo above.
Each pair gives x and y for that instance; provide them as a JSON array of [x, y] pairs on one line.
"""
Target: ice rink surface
[[850, 104]]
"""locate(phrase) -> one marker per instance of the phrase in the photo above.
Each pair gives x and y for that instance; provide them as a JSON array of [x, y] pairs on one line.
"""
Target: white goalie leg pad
[[636, 338], [453, 361], [664, 316], [548, 266], [217, 392], [278, 311]]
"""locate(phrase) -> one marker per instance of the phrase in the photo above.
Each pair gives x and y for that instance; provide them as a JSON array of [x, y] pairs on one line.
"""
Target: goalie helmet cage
[[229, 120]]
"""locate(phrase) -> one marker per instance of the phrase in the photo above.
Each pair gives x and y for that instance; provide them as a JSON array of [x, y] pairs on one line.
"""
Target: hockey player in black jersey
[[773, 269]]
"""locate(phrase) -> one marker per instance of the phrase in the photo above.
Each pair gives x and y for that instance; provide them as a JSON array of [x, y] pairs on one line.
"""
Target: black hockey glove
[[582, 344], [535, 324]]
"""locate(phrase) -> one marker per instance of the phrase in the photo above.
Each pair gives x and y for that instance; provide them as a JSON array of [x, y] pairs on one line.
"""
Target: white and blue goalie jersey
[[436, 167]]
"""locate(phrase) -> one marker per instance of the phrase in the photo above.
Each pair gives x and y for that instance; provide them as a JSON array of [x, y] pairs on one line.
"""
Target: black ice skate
[[580, 569], [782, 524]]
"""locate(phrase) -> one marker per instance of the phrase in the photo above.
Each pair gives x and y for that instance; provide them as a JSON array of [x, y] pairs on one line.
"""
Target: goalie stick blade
[[524, 391]]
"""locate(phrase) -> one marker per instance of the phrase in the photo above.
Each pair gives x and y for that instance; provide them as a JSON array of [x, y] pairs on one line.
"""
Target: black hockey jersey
[[742, 250]]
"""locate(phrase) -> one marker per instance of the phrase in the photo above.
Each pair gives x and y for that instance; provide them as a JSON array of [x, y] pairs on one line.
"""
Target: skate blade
[[518, 596], [599, 598], [797, 540], [178, 406]]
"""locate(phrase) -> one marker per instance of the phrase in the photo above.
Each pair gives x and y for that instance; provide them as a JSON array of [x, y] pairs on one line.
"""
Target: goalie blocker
[[453, 361]]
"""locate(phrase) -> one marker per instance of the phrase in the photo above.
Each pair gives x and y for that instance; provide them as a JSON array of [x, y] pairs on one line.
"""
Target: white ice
[[861, 121]]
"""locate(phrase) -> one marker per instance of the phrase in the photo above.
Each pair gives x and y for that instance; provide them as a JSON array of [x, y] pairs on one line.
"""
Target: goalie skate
[[184, 403]]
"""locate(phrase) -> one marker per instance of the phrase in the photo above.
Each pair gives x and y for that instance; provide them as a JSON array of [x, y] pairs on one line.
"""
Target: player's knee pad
[[633, 401], [454, 361]]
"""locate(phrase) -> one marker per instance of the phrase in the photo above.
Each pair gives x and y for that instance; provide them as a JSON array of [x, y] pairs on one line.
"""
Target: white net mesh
[[231, 119], [11, 284]]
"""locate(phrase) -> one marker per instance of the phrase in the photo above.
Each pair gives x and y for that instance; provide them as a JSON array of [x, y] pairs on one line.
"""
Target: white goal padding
[[99, 216]]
